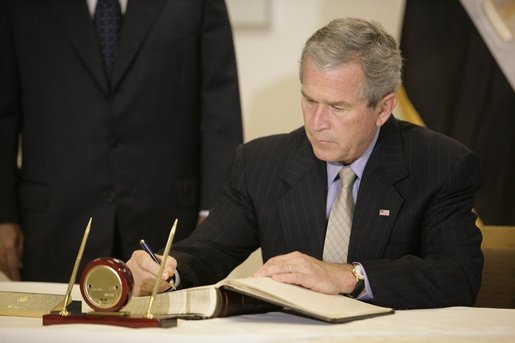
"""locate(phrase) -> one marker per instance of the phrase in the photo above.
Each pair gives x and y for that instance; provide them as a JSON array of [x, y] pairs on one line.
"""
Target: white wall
[[268, 56]]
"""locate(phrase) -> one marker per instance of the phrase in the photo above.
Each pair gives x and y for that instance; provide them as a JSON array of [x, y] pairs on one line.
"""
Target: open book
[[254, 295]]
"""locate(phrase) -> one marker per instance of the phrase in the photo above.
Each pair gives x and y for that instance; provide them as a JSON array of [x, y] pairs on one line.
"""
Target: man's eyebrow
[[304, 94], [341, 103]]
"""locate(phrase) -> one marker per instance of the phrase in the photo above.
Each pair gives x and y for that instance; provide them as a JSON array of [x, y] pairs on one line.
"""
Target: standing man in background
[[128, 112]]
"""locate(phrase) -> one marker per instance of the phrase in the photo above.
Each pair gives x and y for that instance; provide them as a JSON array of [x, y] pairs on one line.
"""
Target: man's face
[[338, 122]]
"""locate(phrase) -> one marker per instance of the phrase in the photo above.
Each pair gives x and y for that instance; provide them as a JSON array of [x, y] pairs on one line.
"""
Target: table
[[452, 324]]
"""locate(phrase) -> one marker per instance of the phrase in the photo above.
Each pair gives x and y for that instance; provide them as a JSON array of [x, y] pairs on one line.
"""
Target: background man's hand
[[11, 249]]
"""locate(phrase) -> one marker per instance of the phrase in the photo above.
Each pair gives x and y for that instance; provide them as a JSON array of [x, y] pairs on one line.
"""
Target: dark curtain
[[457, 88]]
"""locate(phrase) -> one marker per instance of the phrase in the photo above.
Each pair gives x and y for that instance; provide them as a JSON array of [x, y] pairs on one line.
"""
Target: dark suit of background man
[[134, 149], [413, 237]]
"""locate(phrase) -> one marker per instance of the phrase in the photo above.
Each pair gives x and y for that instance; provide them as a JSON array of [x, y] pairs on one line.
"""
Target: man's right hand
[[11, 249], [144, 271]]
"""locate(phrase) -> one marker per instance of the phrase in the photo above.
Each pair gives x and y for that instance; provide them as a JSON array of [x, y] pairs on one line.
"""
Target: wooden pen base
[[118, 320]]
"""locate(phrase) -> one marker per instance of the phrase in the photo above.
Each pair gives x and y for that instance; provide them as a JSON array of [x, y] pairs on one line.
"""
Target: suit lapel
[[378, 202], [302, 208], [137, 21], [77, 24]]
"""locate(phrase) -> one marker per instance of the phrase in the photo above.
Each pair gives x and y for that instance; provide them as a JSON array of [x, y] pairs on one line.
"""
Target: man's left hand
[[303, 270]]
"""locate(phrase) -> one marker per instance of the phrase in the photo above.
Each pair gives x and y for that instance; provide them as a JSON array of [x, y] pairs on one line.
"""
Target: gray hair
[[356, 40]]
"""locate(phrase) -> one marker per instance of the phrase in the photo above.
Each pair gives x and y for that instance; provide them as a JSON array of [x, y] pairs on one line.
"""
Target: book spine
[[233, 303]]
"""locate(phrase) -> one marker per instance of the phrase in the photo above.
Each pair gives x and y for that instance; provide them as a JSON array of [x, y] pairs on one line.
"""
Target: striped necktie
[[336, 244]]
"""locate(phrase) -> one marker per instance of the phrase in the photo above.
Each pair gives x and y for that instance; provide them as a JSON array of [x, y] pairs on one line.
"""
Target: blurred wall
[[269, 36]]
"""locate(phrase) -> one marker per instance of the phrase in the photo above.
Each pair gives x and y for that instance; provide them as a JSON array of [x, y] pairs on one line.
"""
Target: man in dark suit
[[413, 240], [133, 143]]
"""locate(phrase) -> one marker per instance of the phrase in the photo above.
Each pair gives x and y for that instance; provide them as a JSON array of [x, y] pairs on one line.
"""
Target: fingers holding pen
[[144, 271], [153, 268]]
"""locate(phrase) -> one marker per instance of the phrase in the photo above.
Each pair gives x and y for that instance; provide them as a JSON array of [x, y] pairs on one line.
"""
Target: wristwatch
[[357, 271]]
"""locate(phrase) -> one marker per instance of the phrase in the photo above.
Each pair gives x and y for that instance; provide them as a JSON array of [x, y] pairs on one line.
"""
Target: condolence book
[[231, 297]]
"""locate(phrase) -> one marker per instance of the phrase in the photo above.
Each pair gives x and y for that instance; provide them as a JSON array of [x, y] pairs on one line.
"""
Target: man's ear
[[385, 108]]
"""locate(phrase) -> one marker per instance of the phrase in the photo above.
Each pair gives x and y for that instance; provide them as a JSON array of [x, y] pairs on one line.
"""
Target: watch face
[[357, 271]]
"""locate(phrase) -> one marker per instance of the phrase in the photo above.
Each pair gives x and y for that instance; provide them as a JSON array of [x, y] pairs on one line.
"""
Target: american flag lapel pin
[[384, 213]]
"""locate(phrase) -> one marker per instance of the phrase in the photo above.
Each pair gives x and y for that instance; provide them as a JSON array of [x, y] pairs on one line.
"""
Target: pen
[[149, 251]]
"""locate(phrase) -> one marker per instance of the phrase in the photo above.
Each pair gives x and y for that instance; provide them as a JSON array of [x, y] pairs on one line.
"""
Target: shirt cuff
[[367, 294], [177, 280]]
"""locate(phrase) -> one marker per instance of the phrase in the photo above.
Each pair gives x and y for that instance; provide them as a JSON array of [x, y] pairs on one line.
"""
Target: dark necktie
[[107, 21]]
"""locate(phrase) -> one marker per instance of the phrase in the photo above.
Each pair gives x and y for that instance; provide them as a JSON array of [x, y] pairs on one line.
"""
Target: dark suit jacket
[[425, 253], [153, 143]]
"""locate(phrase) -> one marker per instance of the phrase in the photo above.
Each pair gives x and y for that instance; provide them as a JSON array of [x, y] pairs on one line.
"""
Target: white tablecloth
[[454, 324]]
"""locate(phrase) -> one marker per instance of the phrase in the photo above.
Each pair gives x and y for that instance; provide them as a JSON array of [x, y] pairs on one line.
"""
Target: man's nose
[[320, 120]]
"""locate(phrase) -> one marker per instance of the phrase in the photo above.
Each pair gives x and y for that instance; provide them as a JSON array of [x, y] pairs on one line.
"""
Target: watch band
[[360, 281]]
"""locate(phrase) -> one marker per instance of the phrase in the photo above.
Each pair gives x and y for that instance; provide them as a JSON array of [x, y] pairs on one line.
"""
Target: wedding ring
[[290, 269]]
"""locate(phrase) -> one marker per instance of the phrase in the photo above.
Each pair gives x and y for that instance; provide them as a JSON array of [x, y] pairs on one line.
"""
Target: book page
[[28, 304], [194, 302], [305, 300]]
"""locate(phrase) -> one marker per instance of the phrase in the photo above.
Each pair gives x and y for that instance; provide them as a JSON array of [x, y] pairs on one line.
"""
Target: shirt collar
[[358, 166], [92, 4]]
